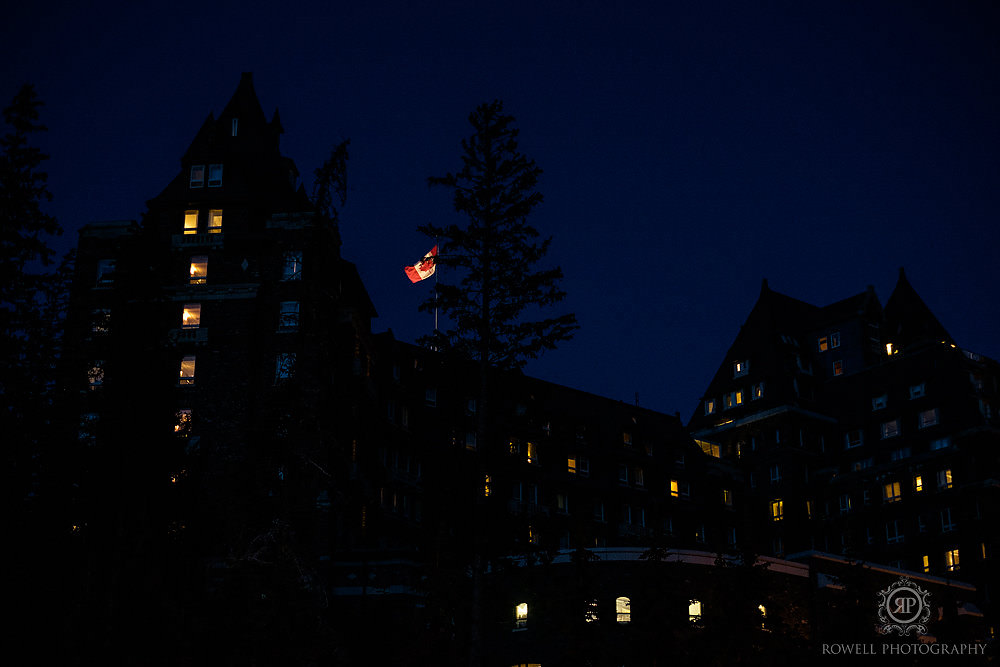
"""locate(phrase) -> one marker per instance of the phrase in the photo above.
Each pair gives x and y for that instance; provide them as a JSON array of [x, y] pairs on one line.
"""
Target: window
[[627, 438], [809, 509], [775, 473], [470, 441], [777, 509], [740, 368], [182, 421], [590, 613], [532, 452], [854, 438], [187, 370], [199, 270], [584, 467], [637, 476], [891, 492], [917, 391], [105, 272], [900, 454], [944, 480], [235, 126], [709, 406], [892, 532], [879, 402], [487, 486], [951, 560], [599, 512], [733, 399], [675, 489], [757, 391], [823, 343], [731, 537], [918, 483], [214, 175], [845, 503], [521, 616], [727, 497], [940, 443], [292, 267], [623, 609], [197, 176], [191, 316], [430, 398], [927, 418], [190, 222], [215, 221], [288, 316], [890, 429], [284, 366], [95, 375], [694, 611], [947, 524], [834, 339], [562, 503], [838, 367], [571, 465], [100, 321], [926, 562]]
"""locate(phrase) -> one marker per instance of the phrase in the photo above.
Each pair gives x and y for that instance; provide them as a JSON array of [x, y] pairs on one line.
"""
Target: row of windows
[[284, 369], [291, 268], [213, 224], [198, 176], [891, 493], [623, 612], [916, 391], [288, 316], [735, 398]]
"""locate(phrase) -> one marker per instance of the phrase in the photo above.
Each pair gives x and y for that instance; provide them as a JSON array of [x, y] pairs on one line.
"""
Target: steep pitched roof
[[909, 321]]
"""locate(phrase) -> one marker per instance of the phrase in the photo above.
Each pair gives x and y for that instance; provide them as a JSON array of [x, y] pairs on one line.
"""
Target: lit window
[[190, 222], [926, 561], [709, 406], [879, 402], [727, 497], [809, 509], [918, 483], [889, 350], [627, 438], [571, 465], [288, 316], [292, 267], [532, 452], [823, 343], [928, 418], [623, 608], [944, 480], [198, 270], [187, 370], [105, 271], [834, 339], [890, 429], [838, 367], [777, 509], [694, 611], [757, 391], [214, 175], [487, 485], [590, 614], [284, 366], [740, 368], [95, 375], [532, 535], [854, 438], [917, 390], [521, 616], [763, 615], [215, 221], [951, 560], [675, 488], [891, 492], [197, 176], [182, 421], [191, 316]]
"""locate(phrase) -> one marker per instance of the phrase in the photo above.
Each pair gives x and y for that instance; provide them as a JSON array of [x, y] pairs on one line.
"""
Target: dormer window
[[198, 176], [740, 368], [190, 222], [236, 126], [214, 176]]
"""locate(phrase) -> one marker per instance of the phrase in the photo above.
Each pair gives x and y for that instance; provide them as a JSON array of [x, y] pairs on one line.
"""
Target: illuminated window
[[623, 609], [675, 490], [694, 611], [590, 613], [215, 221], [187, 370], [571, 465], [918, 483], [190, 222], [838, 367], [709, 406], [191, 316], [777, 509], [917, 390], [487, 485], [944, 480], [521, 616], [823, 343], [891, 492], [763, 615], [879, 402], [951, 560], [892, 532], [727, 497], [214, 175], [928, 418], [284, 366], [182, 421], [809, 509], [105, 272], [757, 391], [740, 368], [198, 270], [627, 438], [197, 176], [288, 316], [889, 349], [531, 450], [854, 438], [926, 562], [292, 266], [890, 429], [532, 535], [95, 375]]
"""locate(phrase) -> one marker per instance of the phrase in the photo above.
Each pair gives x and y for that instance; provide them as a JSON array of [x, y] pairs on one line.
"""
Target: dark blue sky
[[690, 149]]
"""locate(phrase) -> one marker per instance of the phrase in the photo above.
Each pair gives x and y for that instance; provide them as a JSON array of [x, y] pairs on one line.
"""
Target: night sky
[[689, 149]]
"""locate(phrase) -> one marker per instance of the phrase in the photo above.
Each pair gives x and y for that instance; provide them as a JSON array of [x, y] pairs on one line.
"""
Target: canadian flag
[[424, 268]]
